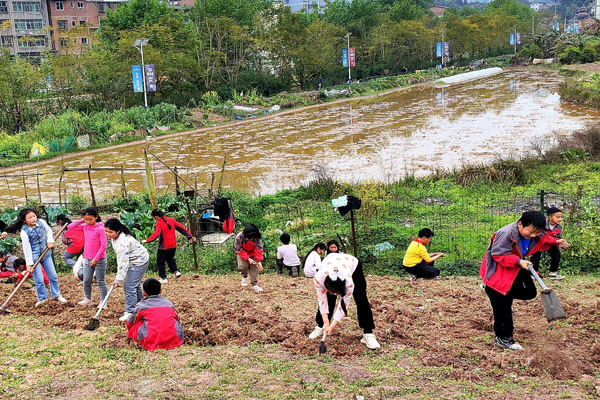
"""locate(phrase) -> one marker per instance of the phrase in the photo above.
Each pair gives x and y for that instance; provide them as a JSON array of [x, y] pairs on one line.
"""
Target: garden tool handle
[[537, 278], [103, 303], [324, 336], [27, 273]]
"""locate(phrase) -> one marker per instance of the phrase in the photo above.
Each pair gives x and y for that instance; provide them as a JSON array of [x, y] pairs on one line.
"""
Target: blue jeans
[[132, 286], [88, 274], [38, 277], [69, 258]]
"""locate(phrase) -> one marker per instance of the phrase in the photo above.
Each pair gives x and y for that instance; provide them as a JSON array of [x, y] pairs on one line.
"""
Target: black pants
[[554, 253], [423, 270], [167, 255], [522, 288], [363, 308]]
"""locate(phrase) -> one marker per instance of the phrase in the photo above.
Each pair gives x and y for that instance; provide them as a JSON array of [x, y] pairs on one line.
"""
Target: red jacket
[[500, 264], [21, 274], [75, 240], [167, 239], [154, 324], [248, 248]]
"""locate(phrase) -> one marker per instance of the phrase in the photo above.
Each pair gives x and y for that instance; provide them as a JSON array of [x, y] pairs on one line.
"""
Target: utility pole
[[141, 43], [515, 41], [349, 75], [532, 24], [443, 49]]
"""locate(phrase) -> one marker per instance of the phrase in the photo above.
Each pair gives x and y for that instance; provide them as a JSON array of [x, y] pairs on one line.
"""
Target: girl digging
[[94, 253], [36, 235], [132, 263], [342, 275], [167, 243]]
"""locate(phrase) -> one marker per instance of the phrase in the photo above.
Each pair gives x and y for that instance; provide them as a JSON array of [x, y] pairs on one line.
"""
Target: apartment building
[[24, 27], [304, 5]]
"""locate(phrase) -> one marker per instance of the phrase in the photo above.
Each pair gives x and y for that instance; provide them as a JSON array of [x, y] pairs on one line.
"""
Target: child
[[20, 266], [94, 253], [505, 271], [333, 247], [154, 324], [249, 250], [167, 243], [552, 228], [287, 256], [417, 261], [342, 274], [36, 235], [7, 268], [132, 263], [73, 239], [312, 261]]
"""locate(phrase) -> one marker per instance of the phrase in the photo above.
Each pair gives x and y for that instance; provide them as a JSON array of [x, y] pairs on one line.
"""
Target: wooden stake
[[190, 224], [62, 174], [24, 186], [353, 231], [89, 172], [123, 187]]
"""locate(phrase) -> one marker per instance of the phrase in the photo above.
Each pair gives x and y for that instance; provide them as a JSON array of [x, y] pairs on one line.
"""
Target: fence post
[[542, 201], [62, 174], [89, 173], [9, 191], [123, 188], [353, 231], [24, 185], [176, 181]]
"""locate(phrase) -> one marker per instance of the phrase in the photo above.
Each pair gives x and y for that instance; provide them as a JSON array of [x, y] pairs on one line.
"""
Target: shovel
[[95, 322], [323, 346], [552, 307], [4, 307]]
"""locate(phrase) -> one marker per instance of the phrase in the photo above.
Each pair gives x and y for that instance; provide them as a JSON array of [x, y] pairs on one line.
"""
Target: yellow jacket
[[415, 253]]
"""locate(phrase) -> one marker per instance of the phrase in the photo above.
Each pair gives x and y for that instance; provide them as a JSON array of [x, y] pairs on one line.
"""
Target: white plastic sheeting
[[470, 76]]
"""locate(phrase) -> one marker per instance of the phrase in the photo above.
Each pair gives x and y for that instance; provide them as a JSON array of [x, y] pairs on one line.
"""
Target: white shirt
[[312, 264], [289, 253], [129, 253], [345, 264], [29, 261]]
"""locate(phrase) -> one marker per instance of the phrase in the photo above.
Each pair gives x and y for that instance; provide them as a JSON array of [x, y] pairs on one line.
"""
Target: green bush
[[570, 55], [14, 146]]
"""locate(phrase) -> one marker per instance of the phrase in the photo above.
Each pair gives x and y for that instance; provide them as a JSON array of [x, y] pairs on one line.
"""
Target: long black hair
[[319, 245], [93, 212], [339, 287], [252, 232], [18, 224], [64, 218], [333, 242], [157, 213], [114, 224]]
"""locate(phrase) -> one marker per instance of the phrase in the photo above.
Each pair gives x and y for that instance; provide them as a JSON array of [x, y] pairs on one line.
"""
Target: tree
[[19, 82], [405, 10], [131, 15]]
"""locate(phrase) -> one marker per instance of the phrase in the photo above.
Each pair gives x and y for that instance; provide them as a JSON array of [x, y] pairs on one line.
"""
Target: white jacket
[[130, 253]]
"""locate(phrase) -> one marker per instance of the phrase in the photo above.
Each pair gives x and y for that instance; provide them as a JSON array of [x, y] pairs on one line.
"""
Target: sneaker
[[508, 343], [316, 333], [244, 281], [295, 272], [482, 288], [124, 317], [412, 277], [555, 276], [39, 303], [177, 274], [163, 280], [257, 288], [60, 299], [85, 302], [370, 341]]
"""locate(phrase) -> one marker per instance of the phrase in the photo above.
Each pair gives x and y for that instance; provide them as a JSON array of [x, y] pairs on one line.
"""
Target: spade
[[323, 346], [95, 322], [552, 307]]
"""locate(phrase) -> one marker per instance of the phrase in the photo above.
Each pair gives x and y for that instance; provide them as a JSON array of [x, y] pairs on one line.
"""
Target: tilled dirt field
[[448, 319]]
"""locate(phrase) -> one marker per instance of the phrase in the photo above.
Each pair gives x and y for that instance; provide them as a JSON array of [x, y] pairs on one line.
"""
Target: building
[[73, 23], [24, 27], [438, 11], [304, 5]]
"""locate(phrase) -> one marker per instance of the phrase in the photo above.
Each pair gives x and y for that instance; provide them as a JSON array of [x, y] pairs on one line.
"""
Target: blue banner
[[512, 39], [345, 57], [438, 49], [150, 78], [138, 83]]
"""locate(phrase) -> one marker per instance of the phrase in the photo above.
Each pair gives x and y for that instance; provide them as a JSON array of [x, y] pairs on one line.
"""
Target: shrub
[[570, 55], [14, 146]]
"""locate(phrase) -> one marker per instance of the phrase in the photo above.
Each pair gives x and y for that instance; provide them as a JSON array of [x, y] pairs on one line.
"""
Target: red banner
[[352, 57]]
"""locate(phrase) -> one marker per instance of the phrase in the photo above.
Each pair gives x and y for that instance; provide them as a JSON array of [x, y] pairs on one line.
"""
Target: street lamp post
[[348, 38], [139, 44]]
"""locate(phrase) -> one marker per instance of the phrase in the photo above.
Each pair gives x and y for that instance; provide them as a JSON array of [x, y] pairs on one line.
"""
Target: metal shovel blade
[[323, 346], [552, 307], [5, 310], [93, 324]]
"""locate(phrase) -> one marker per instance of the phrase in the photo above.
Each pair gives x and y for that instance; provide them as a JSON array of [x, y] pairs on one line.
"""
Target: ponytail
[[157, 213], [115, 225], [315, 247], [18, 224]]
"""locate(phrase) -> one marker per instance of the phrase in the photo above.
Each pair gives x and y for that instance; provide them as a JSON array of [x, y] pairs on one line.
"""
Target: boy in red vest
[[154, 324], [505, 271]]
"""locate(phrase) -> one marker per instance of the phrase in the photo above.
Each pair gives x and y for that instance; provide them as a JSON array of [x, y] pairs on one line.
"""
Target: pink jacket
[[95, 239]]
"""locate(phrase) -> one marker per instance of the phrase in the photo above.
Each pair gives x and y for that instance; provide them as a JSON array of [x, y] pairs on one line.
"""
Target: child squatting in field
[[417, 261], [505, 271], [249, 250]]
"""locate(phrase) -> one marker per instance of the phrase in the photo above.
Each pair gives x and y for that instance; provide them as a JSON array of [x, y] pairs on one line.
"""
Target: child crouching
[[154, 324]]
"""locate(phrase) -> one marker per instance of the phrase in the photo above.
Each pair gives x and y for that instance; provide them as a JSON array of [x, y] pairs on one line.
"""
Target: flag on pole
[[512, 39], [345, 57]]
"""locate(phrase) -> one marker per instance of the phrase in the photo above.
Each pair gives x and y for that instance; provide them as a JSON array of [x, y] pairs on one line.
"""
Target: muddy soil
[[448, 321]]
